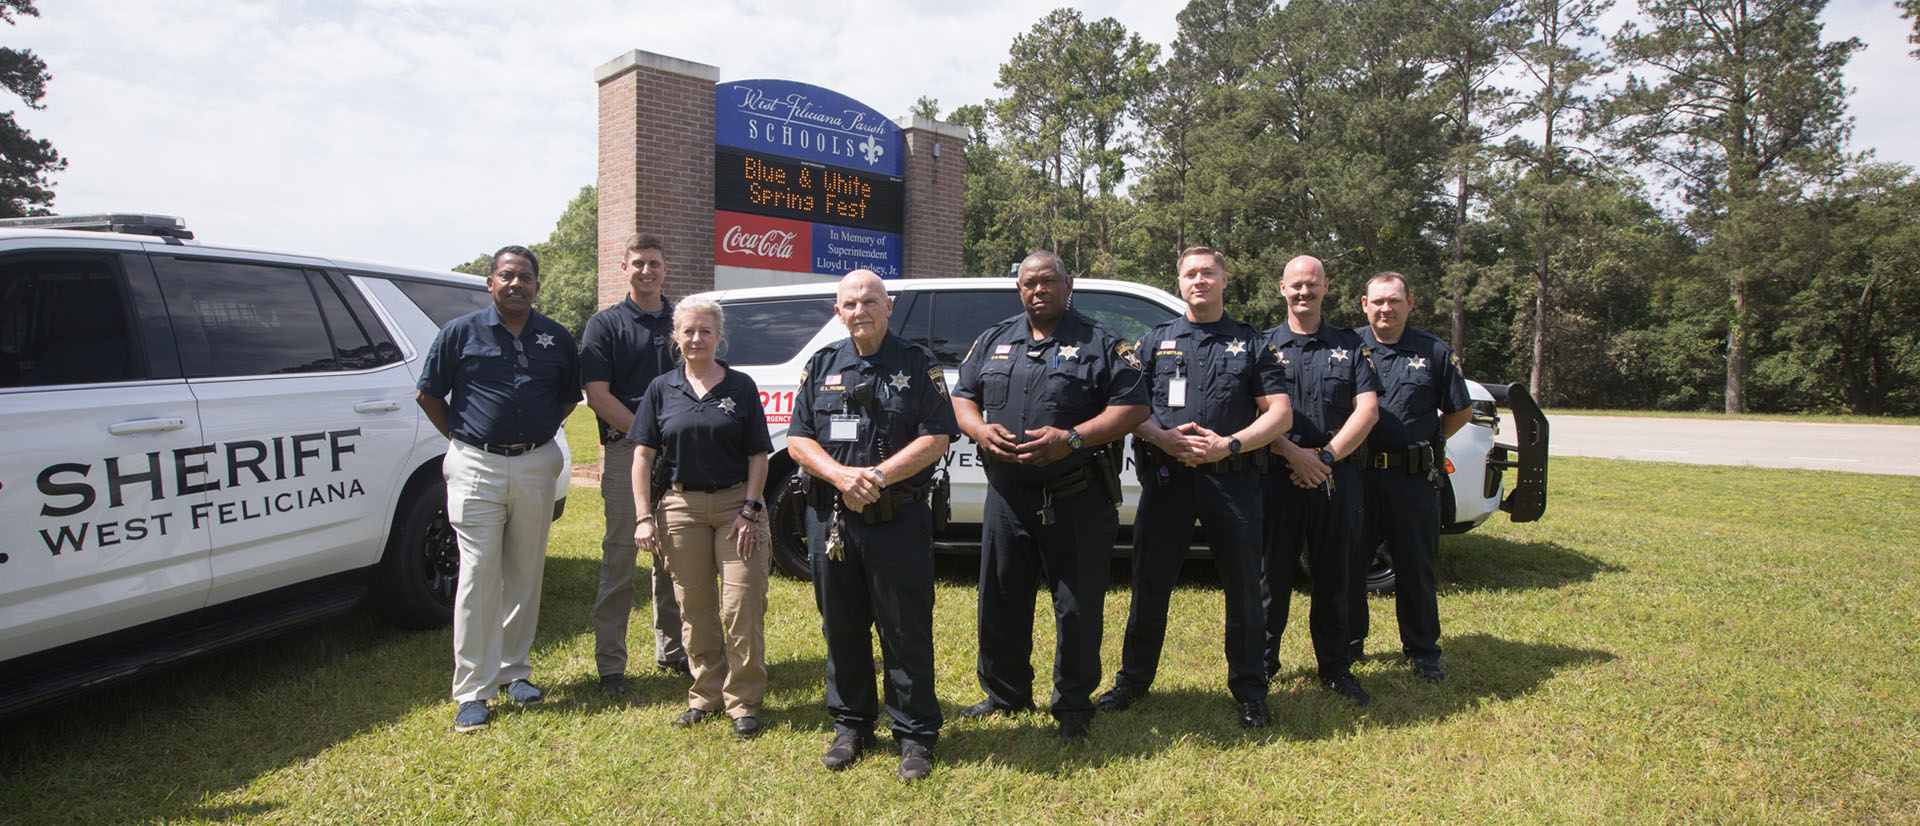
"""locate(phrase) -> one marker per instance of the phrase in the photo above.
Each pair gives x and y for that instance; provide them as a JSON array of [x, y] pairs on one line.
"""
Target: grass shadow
[[1482, 562]]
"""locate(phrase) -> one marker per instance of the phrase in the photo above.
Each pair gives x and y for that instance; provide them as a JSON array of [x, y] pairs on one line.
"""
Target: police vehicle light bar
[[164, 226]]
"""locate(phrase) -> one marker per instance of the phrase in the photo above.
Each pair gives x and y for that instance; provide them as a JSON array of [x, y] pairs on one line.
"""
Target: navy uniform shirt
[[503, 394], [627, 348], [1058, 381], [1227, 365], [1325, 370], [907, 385], [1421, 380], [707, 438]]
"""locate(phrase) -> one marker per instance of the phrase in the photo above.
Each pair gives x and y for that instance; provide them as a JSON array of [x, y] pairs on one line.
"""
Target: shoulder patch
[[970, 350], [939, 378], [803, 376], [1123, 350]]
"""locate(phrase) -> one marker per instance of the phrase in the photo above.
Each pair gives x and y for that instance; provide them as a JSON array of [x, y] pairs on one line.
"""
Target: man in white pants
[[498, 383]]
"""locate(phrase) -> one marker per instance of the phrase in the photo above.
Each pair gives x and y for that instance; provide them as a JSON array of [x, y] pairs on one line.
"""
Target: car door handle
[[377, 406], [129, 428]]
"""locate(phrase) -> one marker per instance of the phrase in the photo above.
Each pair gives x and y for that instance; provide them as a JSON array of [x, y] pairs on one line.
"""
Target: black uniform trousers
[[1326, 522], [1074, 557], [1228, 506], [1403, 510], [885, 580]]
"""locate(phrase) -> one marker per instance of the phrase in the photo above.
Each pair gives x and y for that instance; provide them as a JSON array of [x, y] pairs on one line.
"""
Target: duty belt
[[1415, 460], [502, 450], [1146, 454], [821, 494]]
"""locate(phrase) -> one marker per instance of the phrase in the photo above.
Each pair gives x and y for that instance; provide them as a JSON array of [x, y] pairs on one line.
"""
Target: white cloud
[[425, 132]]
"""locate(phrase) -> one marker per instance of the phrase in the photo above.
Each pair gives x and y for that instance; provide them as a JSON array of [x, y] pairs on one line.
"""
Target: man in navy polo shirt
[[1313, 494], [1423, 401], [513, 376], [624, 348]]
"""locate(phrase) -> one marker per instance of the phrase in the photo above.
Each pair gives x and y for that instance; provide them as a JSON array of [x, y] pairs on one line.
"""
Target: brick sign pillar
[[656, 167], [936, 170]]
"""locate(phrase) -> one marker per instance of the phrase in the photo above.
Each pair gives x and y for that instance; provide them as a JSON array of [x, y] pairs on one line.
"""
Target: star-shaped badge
[[544, 339], [899, 381], [1339, 354], [1236, 347], [726, 406], [1417, 362], [1070, 351]]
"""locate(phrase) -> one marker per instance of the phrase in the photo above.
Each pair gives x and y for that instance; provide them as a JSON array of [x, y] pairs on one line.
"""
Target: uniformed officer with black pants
[[1218, 398], [871, 419], [1313, 494], [1423, 401], [1040, 393]]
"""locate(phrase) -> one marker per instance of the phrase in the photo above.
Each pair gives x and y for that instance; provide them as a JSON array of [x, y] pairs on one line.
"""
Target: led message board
[[806, 191]]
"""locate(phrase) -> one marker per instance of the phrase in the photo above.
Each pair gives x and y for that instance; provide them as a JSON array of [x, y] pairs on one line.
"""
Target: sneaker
[[746, 728], [690, 717], [916, 762], [473, 715], [613, 685], [1346, 686], [986, 708], [523, 692], [845, 749], [1120, 696], [1253, 714]]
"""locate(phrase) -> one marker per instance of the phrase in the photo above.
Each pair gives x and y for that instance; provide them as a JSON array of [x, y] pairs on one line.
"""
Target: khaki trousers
[[618, 554], [501, 507], [722, 625]]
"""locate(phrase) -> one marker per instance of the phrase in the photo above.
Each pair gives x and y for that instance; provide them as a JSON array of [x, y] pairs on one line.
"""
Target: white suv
[[206, 444], [776, 329]]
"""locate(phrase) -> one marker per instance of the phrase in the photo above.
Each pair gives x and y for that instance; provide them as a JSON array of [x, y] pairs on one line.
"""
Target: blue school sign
[[804, 121]]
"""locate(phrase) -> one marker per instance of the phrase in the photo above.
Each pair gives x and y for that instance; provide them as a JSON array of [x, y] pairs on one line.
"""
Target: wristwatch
[[1325, 456], [750, 510], [1233, 445], [1073, 439]]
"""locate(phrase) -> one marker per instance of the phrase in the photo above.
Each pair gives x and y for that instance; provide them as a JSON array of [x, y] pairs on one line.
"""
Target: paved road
[[1859, 448]]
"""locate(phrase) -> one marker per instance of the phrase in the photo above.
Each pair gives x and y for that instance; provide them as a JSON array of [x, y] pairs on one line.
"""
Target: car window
[[1130, 316], [958, 317], [358, 339], [773, 331], [443, 302], [239, 319], [63, 320]]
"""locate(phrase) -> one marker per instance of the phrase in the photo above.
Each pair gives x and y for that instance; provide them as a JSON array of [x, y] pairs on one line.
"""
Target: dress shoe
[[1429, 669], [746, 728], [916, 762], [845, 749], [1253, 714], [1074, 728], [613, 685], [1346, 686], [986, 708], [675, 667], [1120, 696], [690, 717]]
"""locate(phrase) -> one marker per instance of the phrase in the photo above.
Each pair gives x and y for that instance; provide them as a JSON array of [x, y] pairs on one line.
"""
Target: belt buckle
[[1380, 461]]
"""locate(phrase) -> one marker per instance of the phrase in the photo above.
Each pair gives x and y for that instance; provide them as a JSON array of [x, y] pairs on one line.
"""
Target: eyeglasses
[[520, 350]]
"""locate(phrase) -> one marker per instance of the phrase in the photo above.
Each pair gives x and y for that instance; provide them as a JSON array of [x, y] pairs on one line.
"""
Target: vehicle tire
[[786, 520], [1380, 578], [415, 582]]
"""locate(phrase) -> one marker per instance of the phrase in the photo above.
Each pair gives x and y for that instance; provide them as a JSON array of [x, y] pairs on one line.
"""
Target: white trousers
[[501, 507]]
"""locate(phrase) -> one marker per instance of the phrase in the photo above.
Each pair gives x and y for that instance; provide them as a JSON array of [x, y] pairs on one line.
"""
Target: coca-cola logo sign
[[770, 243], [762, 242]]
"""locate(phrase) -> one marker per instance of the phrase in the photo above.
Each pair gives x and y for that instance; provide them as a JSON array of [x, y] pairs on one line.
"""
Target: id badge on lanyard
[[1177, 386], [843, 427]]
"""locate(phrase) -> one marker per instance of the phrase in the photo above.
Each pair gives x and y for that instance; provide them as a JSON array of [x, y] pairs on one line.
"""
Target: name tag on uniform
[[843, 428], [1176, 392]]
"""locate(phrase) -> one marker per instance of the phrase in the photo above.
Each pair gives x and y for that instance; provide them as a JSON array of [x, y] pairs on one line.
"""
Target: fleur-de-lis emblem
[[872, 150]]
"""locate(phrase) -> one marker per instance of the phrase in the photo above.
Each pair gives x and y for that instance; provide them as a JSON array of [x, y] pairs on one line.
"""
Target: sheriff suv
[[207, 444], [789, 323]]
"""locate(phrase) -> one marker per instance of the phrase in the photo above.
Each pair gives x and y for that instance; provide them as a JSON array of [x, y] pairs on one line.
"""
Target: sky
[[427, 132]]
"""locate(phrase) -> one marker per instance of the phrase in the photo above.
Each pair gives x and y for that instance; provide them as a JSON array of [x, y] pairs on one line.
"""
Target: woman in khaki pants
[[707, 420]]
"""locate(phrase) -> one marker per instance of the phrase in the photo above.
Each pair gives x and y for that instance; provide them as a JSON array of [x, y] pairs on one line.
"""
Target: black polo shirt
[[496, 399], [1421, 380], [1227, 365], [628, 348], [909, 390], [707, 438], [1326, 369], [1059, 381]]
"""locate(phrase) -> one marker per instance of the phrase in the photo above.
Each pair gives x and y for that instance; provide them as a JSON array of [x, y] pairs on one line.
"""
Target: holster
[[1106, 467], [661, 479]]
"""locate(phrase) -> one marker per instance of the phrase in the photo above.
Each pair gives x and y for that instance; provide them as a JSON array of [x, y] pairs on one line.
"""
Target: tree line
[[1663, 216]]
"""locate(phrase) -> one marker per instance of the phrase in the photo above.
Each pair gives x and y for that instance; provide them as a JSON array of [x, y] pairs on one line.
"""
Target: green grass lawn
[[1671, 644]]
